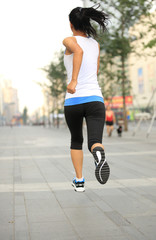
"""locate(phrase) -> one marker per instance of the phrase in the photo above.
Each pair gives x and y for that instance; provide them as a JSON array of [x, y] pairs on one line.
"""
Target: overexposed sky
[[31, 31]]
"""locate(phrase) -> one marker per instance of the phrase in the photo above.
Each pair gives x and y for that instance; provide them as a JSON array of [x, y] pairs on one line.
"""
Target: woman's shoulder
[[68, 39], [94, 40]]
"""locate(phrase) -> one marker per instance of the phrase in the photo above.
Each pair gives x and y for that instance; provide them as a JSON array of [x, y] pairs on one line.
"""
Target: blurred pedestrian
[[84, 98], [110, 120], [119, 131]]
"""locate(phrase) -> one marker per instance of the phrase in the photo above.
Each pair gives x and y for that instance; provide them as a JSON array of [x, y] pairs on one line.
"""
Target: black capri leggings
[[94, 113]]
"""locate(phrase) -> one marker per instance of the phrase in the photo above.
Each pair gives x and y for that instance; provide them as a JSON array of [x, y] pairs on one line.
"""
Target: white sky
[[31, 31]]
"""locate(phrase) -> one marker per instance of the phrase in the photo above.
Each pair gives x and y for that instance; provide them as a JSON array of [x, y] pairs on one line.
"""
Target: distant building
[[9, 103], [1, 103], [142, 69]]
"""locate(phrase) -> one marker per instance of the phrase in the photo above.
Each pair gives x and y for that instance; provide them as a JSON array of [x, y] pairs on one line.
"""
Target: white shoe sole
[[80, 189], [102, 170]]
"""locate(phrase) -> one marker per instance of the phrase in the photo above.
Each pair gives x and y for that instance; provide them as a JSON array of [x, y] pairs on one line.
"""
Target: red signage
[[117, 102]]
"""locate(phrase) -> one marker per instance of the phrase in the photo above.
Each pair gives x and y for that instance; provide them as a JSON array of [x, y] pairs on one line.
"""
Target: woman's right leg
[[95, 118]]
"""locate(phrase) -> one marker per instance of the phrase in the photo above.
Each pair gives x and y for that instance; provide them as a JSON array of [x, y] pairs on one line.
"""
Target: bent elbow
[[80, 52]]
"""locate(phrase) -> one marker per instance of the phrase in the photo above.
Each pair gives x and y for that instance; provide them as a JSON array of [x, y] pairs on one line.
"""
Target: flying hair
[[81, 18]]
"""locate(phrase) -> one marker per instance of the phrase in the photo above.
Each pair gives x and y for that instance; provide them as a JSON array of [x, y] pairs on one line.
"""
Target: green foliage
[[151, 44], [57, 76], [113, 47], [151, 28]]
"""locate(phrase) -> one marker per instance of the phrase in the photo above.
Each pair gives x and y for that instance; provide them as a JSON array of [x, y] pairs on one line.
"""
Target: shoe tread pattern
[[102, 170]]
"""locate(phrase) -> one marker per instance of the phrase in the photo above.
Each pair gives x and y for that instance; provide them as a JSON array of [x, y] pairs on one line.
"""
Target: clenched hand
[[71, 87]]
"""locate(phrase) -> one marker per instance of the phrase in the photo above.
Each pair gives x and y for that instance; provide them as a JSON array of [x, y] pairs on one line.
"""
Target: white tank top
[[87, 89]]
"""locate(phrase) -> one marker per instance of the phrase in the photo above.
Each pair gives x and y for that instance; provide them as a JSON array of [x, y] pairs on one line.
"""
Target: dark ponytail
[[80, 19]]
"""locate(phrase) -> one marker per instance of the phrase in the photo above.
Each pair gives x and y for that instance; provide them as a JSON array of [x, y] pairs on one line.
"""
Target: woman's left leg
[[77, 160], [74, 119]]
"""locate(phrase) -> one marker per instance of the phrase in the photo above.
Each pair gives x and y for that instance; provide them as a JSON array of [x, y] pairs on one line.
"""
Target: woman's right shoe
[[102, 170], [78, 186]]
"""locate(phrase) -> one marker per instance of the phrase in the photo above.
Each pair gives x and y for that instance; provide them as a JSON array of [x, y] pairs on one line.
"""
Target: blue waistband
[[80, 100]]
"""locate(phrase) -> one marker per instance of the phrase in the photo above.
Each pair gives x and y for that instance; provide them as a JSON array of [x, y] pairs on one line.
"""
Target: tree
[[123, 14], [56, 75], [110, 67], [151, 28], [25, 115]]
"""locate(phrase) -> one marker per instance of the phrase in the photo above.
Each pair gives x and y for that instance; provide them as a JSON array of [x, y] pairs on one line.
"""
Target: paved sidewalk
[[37, 201]]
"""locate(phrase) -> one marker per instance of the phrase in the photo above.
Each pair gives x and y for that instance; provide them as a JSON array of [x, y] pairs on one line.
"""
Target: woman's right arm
[[71, 44]]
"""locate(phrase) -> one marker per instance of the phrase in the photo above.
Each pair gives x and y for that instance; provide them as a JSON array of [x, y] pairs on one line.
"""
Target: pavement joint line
[[13, 200], [46, 146], [112, 184], [85, 155]]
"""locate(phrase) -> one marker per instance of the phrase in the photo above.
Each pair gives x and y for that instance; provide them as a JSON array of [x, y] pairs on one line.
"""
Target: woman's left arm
[[71, 44]]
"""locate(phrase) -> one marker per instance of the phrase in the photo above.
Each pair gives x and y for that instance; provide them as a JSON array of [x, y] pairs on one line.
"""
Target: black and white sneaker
[[78, 186], [102, 169]]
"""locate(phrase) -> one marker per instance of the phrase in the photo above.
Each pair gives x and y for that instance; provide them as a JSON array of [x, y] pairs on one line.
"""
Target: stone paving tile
[[21, 225], [117, 218], [148, 190], [38, 195], [70, 199], [150, 197], [134, 233], [19, 205], [41, 203], [53, 231], [44, 210], [6, 217], [91, 222], [25, 164], [20, 210], [142, 198], [6, 231], [22, 235], [137, 169], [6, 203], [145, 224], [125, 205], [109, 237], [103, 206]]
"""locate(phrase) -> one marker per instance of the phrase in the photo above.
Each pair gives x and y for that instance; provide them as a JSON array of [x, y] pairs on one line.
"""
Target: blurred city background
[[32, 75]]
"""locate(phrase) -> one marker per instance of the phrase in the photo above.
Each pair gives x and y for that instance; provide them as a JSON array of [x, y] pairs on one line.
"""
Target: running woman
[[84, 98]]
